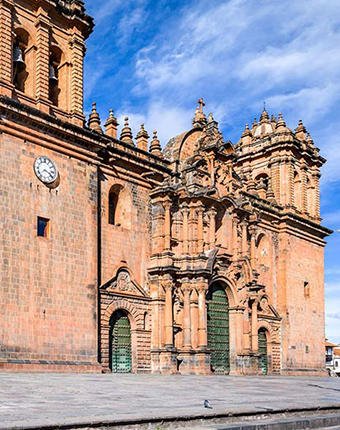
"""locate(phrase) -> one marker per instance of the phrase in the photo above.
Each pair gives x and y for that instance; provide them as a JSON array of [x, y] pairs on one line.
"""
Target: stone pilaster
[[316, 180], [185, 242], [6, 47], [77, 48], [168, 320], [254, 329], [253, 247], [304, 204], [200, 234], [43, 27], [212, 227], [186, 288], [275, 178], [290, 182], [167, 226]]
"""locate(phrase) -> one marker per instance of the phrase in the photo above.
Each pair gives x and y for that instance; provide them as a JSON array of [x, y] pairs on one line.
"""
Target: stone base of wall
[[164, 361], [247, 364], [304, 372], [49, 366]]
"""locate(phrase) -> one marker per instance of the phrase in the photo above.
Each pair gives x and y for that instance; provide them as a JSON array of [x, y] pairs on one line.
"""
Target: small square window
[[307, 349], [43, 227]]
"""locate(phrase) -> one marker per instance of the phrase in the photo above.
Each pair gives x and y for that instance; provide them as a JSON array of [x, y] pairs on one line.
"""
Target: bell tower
[[42, 47]]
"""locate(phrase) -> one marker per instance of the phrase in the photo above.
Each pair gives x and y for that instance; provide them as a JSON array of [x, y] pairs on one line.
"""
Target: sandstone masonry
[[206, 257]]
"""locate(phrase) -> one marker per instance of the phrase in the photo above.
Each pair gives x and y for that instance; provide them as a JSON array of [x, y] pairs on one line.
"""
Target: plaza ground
[[33, 400]]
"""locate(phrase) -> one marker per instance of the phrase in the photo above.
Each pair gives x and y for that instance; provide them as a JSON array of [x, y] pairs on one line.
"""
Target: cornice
[[100, 145]]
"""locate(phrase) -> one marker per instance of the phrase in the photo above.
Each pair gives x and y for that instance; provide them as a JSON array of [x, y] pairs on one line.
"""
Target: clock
[[45, 169]]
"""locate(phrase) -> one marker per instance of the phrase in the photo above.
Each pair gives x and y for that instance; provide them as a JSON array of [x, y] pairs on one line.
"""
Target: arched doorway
[[120, 343], [263, 351], [218, 329]]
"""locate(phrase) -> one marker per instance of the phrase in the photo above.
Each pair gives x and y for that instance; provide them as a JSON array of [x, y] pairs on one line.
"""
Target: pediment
[[266, 308], [122, 283]]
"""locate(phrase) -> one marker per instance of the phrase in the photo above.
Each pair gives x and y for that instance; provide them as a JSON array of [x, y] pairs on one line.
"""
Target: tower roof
[[264, 127]]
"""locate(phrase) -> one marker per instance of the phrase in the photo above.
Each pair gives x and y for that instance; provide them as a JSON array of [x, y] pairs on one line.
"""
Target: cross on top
[[200, 102]]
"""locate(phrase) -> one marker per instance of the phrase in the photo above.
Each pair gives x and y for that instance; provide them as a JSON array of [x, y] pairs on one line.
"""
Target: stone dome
[[265, 126]]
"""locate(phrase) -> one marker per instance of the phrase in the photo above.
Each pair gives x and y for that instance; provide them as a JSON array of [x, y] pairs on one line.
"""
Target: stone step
[[331, 422]]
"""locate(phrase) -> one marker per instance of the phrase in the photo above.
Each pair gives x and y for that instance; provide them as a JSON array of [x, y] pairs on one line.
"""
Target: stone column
[[212, 228], [192, 230], [185, 246], [253, 248], [290, 175], [316, 179], [246, 337], [234, 236], [202, 318], [77, 47], [244, 239], [254, 331], [186, 320], [194, 319], [43, 27], [304, 206], [167, 226], [169, 340], [6, 47], [200, 239]]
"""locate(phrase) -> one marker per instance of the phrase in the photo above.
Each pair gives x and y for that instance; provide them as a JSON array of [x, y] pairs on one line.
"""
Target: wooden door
[[120, 340], [263, 351], [218, 329]]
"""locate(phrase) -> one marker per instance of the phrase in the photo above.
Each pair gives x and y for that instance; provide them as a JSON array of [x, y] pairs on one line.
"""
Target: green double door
[[263, 351], [218, 329], [120, 343]]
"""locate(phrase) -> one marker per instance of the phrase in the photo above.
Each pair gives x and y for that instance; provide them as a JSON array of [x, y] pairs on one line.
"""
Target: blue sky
[[152, 60]]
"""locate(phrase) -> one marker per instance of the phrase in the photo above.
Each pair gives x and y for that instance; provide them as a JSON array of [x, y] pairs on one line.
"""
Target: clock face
[[45, 169]]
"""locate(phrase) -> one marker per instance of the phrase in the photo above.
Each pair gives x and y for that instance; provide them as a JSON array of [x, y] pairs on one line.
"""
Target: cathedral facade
[[117, 256]]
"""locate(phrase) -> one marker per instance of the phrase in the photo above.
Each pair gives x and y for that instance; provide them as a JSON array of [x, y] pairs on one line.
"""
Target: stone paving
[[46, 399]]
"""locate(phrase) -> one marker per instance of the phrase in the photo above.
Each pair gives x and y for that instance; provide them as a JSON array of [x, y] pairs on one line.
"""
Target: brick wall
[[48, 285]]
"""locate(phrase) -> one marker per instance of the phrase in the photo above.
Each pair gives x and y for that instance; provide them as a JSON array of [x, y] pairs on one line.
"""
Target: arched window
[[54, 79], [21, 65], [146, 321], [262, 182], [120, 206], [113, 200]]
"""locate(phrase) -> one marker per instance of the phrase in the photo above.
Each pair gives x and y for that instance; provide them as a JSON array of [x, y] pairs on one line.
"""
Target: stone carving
[[264, 305], [123, 283]]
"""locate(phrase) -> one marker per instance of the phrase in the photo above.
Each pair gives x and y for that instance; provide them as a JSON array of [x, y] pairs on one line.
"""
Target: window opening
[[43, 227]]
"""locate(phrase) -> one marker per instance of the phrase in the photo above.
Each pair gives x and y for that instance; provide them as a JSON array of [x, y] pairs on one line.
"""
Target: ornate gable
[[122, 283]]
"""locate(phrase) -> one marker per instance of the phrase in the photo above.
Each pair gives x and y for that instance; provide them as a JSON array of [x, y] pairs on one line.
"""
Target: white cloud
[[168, 121], [332, 311]]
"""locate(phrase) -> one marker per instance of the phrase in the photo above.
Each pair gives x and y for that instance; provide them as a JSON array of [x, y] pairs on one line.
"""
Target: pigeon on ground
[[207, 404]]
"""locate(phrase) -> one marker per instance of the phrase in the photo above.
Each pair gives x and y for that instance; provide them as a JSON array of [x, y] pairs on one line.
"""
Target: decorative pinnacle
[[309, 139], [246, 132], [142, 132], [155, 146], [94, 120], [126, 134], [264, 116]]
